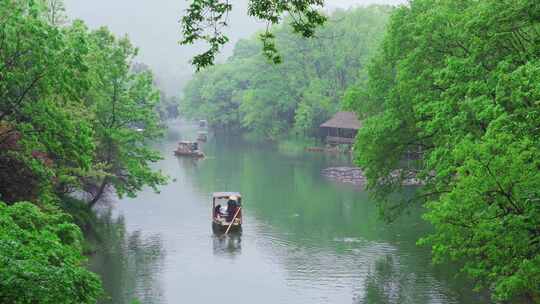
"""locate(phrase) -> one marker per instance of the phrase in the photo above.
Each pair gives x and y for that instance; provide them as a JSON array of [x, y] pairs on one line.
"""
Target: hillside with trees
[[75, 121], [458, 84], [452, 88], [250, 94]]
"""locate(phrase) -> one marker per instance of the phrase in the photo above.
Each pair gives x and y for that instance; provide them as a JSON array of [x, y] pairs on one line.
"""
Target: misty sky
[[152, 25]]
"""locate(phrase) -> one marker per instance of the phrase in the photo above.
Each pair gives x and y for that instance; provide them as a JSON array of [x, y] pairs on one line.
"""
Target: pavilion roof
[[343, 120]]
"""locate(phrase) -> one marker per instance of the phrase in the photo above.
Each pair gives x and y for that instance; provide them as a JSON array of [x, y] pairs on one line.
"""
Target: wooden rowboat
[[188, 148], [229, 219]]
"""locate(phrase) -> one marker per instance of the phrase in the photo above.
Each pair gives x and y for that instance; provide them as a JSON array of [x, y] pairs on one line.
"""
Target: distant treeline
[[247, 93]]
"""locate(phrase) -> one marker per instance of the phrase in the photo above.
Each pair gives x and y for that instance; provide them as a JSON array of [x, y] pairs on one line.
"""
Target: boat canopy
[[226, 194]]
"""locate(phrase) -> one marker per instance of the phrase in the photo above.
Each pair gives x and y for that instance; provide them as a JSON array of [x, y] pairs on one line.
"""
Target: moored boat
[[202, 136], [188, 148]]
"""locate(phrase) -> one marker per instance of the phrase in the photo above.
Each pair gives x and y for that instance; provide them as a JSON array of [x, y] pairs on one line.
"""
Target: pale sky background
[[153, 26]]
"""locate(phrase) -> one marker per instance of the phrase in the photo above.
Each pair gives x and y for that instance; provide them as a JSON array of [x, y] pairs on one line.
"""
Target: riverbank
[[87, 219], [355, 176]]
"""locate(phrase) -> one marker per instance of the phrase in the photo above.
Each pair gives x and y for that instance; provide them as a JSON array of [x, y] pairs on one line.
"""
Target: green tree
[[456, 84], [74, 115], [124, 116], [249, 94], [43, 133], [40, 258], [205, 21]]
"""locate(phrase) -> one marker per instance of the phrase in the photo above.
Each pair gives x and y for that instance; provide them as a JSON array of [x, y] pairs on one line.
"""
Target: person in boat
[[231, 208], [217, 211]]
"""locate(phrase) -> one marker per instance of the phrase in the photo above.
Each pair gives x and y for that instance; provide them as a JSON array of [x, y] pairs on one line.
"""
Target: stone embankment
[[355, 176], [349, 175], [323, 149]]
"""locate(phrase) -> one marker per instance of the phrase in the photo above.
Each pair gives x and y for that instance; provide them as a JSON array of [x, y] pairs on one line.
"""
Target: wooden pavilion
[[341, 128]]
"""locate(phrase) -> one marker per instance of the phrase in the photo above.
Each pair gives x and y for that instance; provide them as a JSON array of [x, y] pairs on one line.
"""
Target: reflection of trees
[[387, 283], [285, 191], [382, 283], [144, 263], [323, 232], [227, 245], [128, 263], [188, 163]]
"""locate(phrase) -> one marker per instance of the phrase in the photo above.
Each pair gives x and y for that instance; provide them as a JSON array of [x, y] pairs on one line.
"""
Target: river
[[305, 239]]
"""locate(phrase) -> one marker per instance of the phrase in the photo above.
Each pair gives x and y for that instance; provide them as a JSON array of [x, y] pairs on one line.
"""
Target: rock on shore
[[349, 175], [355, 176]]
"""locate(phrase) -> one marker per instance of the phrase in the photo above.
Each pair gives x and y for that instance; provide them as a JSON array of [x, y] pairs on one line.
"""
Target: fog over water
[[153, 26]]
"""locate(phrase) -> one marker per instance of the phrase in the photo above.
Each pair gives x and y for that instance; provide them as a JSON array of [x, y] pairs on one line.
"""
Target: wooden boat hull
[[219, 228], [190, 154]]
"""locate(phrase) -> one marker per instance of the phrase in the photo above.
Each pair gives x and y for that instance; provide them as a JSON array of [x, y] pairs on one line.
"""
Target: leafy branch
[[205, 21]]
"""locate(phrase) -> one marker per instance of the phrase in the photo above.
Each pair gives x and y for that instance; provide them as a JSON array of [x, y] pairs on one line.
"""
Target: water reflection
[[386, 284], [229, 246], [327, 237], [304, 240], [128, 262], [189, 163]]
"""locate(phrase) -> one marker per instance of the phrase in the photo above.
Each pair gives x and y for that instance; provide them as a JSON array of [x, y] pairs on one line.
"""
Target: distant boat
[[202, 136], [188, 148], [226, 212]]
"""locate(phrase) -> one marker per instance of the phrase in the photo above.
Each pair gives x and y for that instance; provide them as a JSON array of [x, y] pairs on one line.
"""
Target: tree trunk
[[100, 192]]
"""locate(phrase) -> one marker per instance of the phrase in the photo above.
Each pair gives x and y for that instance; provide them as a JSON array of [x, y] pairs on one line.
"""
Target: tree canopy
[[125, 118], [75, 117], [41, 260], [450, 95], [247, 93], [73, 113], [205, 21], [42, 130], [456, 84]]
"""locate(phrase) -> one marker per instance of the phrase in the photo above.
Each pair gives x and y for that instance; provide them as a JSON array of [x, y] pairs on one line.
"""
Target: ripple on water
[[290, 253]]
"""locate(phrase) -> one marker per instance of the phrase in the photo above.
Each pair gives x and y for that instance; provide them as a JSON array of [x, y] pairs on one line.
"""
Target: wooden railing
[[339, 140]]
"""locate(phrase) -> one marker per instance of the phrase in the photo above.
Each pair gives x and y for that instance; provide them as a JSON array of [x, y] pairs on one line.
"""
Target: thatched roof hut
[[343, 120], [341, 128]]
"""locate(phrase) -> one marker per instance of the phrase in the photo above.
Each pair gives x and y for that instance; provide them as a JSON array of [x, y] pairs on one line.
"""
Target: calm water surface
[[305, 239]]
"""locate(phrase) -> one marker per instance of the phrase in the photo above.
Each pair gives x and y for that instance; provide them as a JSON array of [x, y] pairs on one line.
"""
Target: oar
[[232, 221]]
